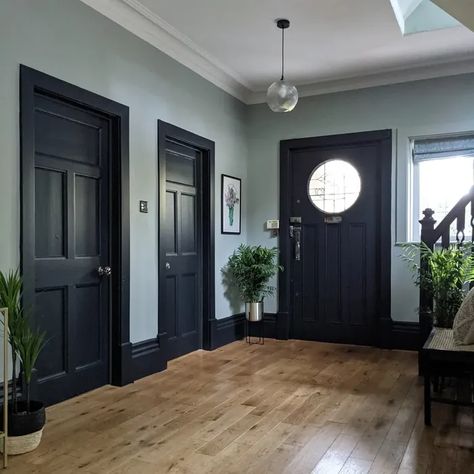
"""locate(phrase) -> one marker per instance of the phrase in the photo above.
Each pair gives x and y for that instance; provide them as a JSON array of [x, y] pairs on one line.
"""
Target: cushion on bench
[[463, 326]]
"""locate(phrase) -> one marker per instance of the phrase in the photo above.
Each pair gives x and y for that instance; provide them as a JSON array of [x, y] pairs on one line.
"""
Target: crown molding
[[142, 22], [382, 78]]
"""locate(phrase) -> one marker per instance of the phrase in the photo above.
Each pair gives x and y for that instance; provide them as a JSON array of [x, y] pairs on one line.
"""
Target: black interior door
[[181, 254], [71, 200], [338, 224]]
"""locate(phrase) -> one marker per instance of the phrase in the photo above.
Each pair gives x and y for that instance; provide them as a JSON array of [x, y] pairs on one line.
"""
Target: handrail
[[430, 234]]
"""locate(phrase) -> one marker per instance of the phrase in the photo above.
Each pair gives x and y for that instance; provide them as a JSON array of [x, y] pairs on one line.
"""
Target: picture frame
[[231, 204]]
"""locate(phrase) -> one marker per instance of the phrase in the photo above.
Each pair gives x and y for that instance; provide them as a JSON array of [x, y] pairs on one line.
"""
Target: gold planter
[[254, 311]]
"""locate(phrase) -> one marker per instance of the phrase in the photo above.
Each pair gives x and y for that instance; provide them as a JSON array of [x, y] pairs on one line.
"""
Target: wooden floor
[[287, 406]]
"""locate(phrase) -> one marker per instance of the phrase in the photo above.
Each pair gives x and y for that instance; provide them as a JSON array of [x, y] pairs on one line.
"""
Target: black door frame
[[32, 82], [167, 131], [384, 140]]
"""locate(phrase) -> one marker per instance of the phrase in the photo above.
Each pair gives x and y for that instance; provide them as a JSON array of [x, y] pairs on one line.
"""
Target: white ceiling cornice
[[382, 78], [139, 20], [148, 26]]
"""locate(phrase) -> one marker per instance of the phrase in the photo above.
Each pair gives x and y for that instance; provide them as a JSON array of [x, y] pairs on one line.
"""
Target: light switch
[[144, 206], [273, 224]]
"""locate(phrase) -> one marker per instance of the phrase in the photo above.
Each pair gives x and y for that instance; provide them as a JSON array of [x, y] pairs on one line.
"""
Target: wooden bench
[[442, 358]]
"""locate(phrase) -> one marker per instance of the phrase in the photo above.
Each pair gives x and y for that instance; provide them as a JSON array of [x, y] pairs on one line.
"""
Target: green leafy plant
[[448, 271], [29, 343], [11, 286], [250, 269], [26, 343]]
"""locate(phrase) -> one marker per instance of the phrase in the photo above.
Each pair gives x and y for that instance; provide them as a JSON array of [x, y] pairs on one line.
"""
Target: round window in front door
[[334, 186]]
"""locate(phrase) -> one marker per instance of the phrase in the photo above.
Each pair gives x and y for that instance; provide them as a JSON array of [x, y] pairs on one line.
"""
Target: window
[[334, 186], [443, 171]]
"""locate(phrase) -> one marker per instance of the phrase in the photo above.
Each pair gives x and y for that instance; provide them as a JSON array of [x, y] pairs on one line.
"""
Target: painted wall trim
[[146, 359], [18, 389], [405, 335], [147, 25], [230, 329], [226, 330]]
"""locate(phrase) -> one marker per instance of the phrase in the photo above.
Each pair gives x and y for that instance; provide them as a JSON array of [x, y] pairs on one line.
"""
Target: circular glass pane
[[334, 186]]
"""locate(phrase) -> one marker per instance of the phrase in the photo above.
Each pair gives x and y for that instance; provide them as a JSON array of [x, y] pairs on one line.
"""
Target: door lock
[[104, 271], [167, 266]]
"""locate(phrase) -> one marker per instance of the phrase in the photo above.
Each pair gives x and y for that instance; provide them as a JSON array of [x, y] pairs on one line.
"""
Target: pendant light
[[282, 95]]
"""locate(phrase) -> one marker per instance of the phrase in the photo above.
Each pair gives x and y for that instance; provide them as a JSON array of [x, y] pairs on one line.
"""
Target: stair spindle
[[460, 226]]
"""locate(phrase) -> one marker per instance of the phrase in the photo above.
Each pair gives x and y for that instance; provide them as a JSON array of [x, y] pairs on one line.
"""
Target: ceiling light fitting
[[282, 95]]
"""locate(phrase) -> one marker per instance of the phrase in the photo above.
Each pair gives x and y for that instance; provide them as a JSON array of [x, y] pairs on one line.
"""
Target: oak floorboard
[[283, 407]]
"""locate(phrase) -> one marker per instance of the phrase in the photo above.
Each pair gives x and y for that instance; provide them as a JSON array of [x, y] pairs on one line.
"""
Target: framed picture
[[231, 201]]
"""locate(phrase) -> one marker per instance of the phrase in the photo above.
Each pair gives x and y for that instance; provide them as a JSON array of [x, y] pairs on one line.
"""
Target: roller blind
[[435, 148]]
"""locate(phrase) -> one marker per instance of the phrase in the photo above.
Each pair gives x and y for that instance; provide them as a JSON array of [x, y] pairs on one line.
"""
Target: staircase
[[432, 236]]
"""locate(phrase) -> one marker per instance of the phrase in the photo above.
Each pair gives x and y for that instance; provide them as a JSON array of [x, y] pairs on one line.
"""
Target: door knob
[[104, 271], [168, 266]]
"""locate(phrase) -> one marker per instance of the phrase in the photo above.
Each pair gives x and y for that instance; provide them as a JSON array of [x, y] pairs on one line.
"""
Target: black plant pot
[[25, 429], [22, 423]]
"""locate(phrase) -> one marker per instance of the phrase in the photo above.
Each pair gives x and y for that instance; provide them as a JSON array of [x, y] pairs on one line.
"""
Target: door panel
[[181, 251], [335, 278], [50, 308], [50, 210], [71, 242]]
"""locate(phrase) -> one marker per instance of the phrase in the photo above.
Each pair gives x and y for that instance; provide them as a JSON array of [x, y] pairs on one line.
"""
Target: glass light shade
[[282, 96]]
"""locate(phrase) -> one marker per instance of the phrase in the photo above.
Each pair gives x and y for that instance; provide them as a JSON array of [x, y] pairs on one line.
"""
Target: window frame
[[413, 198]]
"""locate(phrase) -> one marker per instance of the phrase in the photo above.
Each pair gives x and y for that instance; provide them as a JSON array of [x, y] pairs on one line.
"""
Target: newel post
[[426, 299]]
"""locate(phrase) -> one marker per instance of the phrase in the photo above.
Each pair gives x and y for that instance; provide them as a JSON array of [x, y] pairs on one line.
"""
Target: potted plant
[[251, 268], [26, 417], [10, 297], [449, 271]]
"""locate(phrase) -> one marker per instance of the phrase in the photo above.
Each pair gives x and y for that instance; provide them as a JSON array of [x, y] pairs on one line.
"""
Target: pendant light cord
[[282, 54]]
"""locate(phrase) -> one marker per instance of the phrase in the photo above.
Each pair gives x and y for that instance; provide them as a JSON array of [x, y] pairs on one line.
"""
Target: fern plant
[[448, 272], [251, 268]]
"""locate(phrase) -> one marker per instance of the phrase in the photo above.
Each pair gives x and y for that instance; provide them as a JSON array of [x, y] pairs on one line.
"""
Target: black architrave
[[166, 132], [32, 82]]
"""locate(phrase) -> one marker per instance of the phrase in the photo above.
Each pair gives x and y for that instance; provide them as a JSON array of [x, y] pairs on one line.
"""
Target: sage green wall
[[412, 109], [68, 40]]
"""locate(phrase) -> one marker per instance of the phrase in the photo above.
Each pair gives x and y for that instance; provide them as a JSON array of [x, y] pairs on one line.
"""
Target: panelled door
[[71, 241], [181, 250], [338, 224]]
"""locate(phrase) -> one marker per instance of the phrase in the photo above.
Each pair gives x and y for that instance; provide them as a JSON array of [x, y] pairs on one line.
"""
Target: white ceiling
[[331, 44]]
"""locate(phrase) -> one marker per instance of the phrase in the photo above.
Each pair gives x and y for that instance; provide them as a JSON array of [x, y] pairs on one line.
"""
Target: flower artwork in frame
[[230, 204]]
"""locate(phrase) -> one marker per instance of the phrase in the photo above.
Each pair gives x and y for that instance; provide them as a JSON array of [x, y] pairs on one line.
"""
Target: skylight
[[416, 16]]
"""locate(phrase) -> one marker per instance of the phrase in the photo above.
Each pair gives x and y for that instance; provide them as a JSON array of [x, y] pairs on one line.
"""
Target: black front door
[[181, 249], [337, 220], [71, 245]]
